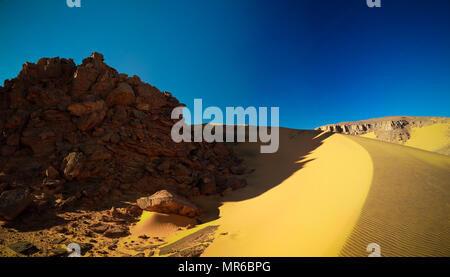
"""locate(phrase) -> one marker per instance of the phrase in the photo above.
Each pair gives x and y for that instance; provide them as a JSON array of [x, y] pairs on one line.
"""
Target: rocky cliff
[[77, 135], [396, 129]]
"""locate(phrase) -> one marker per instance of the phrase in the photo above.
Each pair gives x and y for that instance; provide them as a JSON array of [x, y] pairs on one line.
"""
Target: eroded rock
[[13, 202], [72, 165], [165, 202]]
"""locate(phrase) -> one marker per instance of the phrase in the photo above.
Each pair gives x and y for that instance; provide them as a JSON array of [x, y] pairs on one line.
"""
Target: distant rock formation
[[77, 135], [394, 129]]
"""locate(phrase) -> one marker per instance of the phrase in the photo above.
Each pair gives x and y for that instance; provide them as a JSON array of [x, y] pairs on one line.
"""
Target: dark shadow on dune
[[294, 147]]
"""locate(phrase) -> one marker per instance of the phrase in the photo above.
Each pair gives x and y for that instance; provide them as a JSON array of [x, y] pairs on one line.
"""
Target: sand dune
[[407, 209], [325, 194], [349, 192], [310, 211], [161, 225], [434, 138]]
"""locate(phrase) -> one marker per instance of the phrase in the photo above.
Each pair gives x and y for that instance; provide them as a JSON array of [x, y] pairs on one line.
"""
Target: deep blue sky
[[320, 61]]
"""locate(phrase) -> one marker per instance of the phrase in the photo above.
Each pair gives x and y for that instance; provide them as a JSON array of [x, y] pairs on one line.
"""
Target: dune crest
[[309, 213]]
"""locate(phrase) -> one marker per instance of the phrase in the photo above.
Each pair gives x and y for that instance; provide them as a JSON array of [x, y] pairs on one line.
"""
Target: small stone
[[59, 252], [24, 248], [51, 172], [99, 228], [116, 231], [72, 165]]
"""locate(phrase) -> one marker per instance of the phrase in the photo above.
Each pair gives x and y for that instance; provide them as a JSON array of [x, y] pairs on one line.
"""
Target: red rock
[[169, 203], [80, 109], [13, 202], [96, 126], [8, 150], [99, 228], [90, 121], [151, 96], [116, 231], [72, 165], [13, 140], [51, 172], [208, 185], [122, 95], [238, 169], [236, 183]]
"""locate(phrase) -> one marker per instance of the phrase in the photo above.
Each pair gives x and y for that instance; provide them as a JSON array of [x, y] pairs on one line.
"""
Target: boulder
[[51, 172], [79, 109], [116, 231], [72, 165], [122, 95], [236, 183], [208, 185], [13, 202], [166, 202]]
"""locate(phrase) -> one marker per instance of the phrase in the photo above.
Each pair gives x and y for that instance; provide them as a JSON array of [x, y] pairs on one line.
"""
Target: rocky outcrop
[[13, 202], [391, 129], [168, 203], [87, 133]]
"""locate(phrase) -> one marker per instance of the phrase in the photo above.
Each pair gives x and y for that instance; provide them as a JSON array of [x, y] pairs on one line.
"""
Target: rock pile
[[76, 135]]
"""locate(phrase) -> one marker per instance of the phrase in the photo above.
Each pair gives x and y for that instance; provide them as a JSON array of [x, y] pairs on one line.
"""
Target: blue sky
[[320, 61]]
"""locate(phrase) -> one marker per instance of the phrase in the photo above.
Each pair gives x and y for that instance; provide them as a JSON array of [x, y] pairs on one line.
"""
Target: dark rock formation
[[88, 133]]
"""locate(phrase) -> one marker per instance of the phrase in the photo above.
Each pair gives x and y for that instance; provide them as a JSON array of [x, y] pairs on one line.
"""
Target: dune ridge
[[307, 214]]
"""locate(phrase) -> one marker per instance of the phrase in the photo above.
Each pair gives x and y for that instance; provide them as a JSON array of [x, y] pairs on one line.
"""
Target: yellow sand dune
[[325, 194], [434, 138], [407, 209], [349, 192], [309, 202]]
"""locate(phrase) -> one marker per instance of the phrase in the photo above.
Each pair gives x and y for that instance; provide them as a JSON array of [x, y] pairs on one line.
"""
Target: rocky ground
[[79, 146]]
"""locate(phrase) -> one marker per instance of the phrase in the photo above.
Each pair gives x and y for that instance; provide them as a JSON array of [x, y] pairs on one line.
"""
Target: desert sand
[[407, 209], [434, 138], [304, 204], [328, 194]]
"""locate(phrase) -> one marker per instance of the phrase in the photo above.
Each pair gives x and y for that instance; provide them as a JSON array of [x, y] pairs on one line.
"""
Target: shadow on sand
[[268, 170]]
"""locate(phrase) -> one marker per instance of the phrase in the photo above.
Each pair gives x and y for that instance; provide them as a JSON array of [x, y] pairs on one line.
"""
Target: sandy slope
[[331, 195], [407, 209], [297, 203], [349, 192], [434, 138]]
